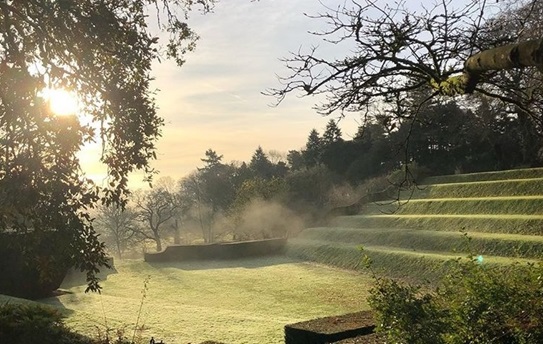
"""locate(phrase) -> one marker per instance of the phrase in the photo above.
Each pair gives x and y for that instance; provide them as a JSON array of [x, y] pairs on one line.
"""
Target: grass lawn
[[242, 301]]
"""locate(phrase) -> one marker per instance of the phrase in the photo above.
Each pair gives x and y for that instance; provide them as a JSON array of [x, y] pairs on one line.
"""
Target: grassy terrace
[[501, 212], [398, 262], [489, 188], [245, 301], [511, 224], [475, 206], [508, 245], [527, 173]]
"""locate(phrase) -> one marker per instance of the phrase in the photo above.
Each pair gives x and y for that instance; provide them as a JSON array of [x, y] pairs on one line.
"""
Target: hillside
[[496, 216]]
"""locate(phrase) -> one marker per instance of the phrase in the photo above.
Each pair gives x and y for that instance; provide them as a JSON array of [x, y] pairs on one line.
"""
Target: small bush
[[409, 175], [30, 324], [474, 303], [406, 315]]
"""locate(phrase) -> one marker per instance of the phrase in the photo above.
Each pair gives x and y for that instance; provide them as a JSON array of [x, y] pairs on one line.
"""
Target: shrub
[[473, 303], [406, 315], [494, 304], [29, 324], [409, 175]]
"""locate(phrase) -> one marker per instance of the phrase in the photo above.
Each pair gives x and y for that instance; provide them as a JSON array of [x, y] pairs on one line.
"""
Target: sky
[[215, 101]]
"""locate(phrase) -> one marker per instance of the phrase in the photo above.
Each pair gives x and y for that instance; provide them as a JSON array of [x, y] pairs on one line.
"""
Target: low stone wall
[[330, 329], [230, 250]]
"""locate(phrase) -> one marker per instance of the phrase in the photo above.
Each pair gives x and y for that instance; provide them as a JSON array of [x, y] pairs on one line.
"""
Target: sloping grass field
[[242, 301], [495, 215]]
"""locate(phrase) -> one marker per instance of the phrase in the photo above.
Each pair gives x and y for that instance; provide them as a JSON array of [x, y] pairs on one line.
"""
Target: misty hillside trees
[[118, 227], [157, 209]]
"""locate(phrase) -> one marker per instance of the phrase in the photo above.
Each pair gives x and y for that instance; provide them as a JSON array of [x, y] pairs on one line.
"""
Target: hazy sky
[[215, 101]]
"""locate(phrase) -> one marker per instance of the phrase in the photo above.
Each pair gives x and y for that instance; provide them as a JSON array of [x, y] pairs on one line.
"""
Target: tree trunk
[[118, 242], [158, 242], [176, 236]]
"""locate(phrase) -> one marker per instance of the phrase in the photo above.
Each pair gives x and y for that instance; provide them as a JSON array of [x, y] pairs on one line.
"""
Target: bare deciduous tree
[[155, 209], [119, 226], [394, 50]]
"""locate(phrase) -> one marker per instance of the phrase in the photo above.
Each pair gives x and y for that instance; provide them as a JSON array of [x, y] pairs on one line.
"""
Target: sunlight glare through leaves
[[62, 102]]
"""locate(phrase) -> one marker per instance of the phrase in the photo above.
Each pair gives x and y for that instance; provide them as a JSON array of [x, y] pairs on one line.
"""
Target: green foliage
[[102, 51], [259, 193], [452, 86], [258, 188], [474, 303], [38, 272], [311, 187], [405, 315], [295, 160], [29, 324], [215, 183]]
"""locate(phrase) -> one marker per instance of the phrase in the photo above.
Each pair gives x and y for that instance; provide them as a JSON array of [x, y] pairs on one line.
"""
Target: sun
[[62, 102]]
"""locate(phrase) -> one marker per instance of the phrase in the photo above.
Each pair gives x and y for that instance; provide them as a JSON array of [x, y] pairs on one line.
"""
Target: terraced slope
[[495, 215]]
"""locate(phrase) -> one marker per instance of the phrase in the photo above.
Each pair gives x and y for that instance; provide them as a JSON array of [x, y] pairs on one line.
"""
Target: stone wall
[[222, 251]]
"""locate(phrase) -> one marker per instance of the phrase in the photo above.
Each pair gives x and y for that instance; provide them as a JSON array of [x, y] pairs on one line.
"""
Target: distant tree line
[[444, 137]]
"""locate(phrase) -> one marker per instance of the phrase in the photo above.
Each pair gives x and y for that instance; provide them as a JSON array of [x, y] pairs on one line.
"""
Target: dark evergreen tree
[[212, 159], [295, 160], [216, 182], [332, 134], [313, 149], [241, 174], [260, 165]]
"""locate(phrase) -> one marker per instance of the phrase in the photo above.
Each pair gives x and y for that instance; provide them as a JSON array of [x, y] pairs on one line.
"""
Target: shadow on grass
[[55, 302], [51, 301], [246, 263], [76, 278]]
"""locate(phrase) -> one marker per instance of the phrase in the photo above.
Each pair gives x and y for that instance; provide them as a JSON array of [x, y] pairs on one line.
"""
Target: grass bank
[[508, 245], [490, 188], [525, 173], [505, 224], [407, 264]]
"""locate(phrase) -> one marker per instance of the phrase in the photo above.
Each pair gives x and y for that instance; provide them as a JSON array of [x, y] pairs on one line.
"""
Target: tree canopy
[[102, 51]]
